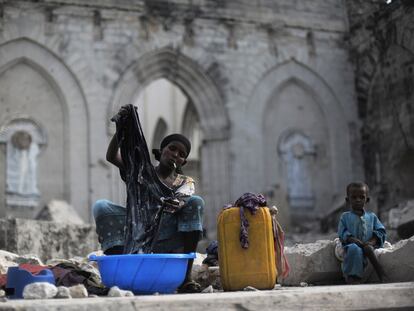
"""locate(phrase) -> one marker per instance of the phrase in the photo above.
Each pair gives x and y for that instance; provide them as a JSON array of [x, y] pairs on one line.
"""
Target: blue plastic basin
[[144, 273]]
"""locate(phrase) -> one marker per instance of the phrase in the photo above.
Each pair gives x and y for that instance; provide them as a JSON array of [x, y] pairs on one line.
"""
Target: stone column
[[215, 181], [3, 169]]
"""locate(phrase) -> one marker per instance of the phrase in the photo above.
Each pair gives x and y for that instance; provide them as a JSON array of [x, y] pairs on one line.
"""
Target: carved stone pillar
[[2, 180], [215, 181]]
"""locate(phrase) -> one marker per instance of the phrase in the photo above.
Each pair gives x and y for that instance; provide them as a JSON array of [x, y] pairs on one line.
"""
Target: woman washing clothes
[[162, 214]]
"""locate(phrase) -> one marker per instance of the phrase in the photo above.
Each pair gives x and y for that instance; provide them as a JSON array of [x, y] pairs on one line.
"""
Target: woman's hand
[[172, 205]]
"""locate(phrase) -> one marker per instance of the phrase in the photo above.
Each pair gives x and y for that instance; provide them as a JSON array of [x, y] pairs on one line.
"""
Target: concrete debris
[[205, 275], [39, 290], [47, 239], [398, 262], [78, 291], [303, 284], [250, 289], [277, 287], [93, 296], [63, 292], [59, 211], [312, 263], [401, 219], [115, 291], [2, 293], [208, 289], [3, 299], [198, 261]]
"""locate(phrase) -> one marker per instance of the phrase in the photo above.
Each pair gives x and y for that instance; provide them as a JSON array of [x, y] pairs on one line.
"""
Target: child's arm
[[358, 242], [378, 232], [343, 232]]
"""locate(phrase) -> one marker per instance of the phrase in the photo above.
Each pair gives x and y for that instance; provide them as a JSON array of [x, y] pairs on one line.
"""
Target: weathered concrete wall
[[47, 239], [240, 63], [382, 40]]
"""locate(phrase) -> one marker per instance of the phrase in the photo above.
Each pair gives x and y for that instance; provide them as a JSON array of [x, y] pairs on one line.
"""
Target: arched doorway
[[205, 98], [164, 109], [47, 96], [291, 98]]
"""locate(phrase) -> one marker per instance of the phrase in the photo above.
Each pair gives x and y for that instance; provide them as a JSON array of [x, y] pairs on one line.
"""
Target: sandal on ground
[[189, 287]]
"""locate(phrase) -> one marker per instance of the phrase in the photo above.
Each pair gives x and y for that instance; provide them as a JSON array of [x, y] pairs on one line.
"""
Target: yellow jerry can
[[254, 266]]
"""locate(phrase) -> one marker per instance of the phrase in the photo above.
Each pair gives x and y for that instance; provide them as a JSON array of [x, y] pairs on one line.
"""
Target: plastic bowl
[[143, 273]]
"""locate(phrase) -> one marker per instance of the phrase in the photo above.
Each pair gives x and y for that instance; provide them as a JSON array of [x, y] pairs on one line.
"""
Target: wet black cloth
[[252, 202], [144, 188]]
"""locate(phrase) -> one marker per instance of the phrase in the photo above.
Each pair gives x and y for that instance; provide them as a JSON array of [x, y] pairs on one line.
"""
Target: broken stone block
[[59, 211], [63, 292], [47, 239], [401, 219], [208, 290], [115, 291], [313, 263], [206, 276], [78, 291], [2, 293], [398, 262], [39, 290]]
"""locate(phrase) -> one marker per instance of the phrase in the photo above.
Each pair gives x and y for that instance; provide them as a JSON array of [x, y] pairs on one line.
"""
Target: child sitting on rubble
[[360, 232], [180, 227]]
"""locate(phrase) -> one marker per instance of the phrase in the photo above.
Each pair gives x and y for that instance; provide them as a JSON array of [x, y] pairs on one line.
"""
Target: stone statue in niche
[[24, 139], [297, 152], [22, 155]]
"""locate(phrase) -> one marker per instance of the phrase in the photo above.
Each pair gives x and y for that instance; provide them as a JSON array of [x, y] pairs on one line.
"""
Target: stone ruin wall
[[382, 43], [253, 69]]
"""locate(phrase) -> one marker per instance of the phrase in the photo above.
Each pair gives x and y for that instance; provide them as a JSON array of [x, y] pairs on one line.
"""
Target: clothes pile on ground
[[78, 275]]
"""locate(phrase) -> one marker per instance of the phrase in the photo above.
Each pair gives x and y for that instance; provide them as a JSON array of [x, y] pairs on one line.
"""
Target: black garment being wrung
[[144, 188]]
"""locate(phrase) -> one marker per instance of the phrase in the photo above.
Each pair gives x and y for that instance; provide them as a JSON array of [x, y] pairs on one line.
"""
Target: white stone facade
[[253, 71]]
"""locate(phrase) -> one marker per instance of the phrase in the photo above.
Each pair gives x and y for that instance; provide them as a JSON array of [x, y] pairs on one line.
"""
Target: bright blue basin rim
[[143, 256]]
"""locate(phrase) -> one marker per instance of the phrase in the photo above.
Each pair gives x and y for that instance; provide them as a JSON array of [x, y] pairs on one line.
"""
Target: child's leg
[[369, 253], [353, 265]]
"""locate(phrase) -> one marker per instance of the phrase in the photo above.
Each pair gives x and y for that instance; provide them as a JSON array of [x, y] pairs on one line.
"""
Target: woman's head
[[173, 152]]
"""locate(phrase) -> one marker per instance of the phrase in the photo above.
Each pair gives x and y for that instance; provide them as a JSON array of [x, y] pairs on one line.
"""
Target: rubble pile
[[316, 263], [311, 264], [401, 220]]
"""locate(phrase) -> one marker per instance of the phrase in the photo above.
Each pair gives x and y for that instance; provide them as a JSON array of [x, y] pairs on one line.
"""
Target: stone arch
[[185, 73], [339, 141], [204, 94], [72, 99]]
